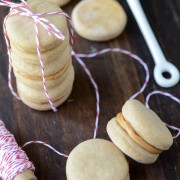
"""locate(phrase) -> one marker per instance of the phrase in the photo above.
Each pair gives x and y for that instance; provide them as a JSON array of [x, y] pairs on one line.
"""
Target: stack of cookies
[[56, 54]]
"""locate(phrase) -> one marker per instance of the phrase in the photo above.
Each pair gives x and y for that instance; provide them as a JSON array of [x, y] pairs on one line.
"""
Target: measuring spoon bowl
[[163, 69]]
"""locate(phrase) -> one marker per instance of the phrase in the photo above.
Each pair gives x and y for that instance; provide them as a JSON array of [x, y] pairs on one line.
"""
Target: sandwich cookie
[[40, 106], [51, 67], [47, 56], [38, 96], [21, 30], [99, 20], [139, 133], [51, 81], [97, 159]]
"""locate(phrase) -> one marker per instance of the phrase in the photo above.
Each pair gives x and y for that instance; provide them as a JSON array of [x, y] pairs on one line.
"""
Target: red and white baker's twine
[[46, 145], [13, 160], [7, 142], [171, 97], [118, 50]]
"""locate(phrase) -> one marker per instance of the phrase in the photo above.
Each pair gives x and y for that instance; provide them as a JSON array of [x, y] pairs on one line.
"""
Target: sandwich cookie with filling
[[36, 95], [51, 67], [139, 133], [41, 106], [21, 30], [47, 56], [53, 80]]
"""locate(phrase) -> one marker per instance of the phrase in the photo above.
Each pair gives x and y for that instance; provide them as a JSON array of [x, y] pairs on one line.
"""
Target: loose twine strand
[[118, 50], [13, 159], [171, 97]]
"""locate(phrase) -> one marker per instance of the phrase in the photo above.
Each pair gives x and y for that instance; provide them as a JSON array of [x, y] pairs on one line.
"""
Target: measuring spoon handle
[[146, 30], [161, 64]]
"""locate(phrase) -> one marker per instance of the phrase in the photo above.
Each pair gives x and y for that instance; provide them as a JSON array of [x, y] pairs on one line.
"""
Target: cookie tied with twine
[[37, 38]]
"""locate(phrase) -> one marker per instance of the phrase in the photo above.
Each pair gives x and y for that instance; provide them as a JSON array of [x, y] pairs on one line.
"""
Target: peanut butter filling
[[134, 136]]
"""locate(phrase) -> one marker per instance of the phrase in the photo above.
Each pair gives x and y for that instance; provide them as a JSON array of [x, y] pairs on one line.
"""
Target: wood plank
[[118, 78]]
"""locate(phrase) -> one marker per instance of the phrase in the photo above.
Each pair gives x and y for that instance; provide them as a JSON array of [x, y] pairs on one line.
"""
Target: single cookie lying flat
[[139, 132], [97, 159], [99, 20]]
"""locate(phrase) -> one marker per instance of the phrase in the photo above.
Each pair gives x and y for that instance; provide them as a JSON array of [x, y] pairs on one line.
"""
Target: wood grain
[[118, 78]]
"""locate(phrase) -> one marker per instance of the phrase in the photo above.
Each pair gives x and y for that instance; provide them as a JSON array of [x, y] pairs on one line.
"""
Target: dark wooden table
[[118, 78]]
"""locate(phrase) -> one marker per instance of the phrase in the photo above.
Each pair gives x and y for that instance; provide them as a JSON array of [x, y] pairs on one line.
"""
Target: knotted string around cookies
[[23, 10]]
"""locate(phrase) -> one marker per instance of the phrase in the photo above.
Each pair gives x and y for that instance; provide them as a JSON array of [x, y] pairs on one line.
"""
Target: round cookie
[[52, 67], [61, 2], [127, 145], [139, 132], [96, 159], [99, 20], [46, 106], [21, 29], [32, 58], [51, 81], [39, 96]]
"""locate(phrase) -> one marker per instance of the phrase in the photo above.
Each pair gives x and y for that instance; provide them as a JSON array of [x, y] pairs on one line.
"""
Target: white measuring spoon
[[161, 64]]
